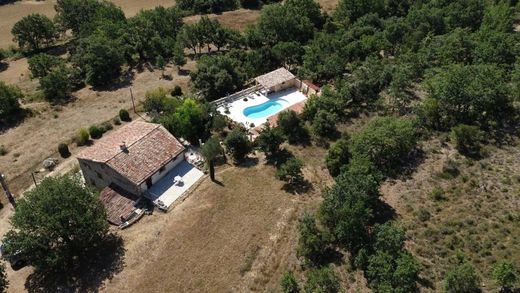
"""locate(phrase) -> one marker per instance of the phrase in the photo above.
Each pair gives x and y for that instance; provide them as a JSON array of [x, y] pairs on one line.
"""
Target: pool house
[[272, 93]]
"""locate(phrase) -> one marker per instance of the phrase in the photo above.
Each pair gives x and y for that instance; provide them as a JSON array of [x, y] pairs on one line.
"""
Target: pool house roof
[[274, 78]]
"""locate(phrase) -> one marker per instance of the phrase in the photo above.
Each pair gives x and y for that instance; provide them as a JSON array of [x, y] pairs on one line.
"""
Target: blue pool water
[[265, 110]]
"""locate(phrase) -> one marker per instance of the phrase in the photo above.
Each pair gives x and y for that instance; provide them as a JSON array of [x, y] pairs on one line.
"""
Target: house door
[[149, 182]]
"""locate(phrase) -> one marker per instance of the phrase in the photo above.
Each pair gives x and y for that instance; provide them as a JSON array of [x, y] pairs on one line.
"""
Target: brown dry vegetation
[[477, 214]]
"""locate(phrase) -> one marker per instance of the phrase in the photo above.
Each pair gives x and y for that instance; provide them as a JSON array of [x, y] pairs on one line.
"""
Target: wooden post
[[8, 194], [133, 102]]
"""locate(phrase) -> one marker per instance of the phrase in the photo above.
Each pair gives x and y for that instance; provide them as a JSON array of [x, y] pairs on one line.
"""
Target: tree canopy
[[34, 32], [56, 223], [9, 101]]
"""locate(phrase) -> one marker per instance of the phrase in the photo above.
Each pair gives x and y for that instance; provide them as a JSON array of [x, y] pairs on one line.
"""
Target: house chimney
[[123, 147]]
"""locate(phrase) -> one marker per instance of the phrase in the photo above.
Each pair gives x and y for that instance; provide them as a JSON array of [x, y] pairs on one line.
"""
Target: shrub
[[269, 140], [116, 121], [311, 242], [322, 280], [467, 139], [505, 274], [106, 126], [4, 284], [338, 156], [56, 85], [291, 171], [289, 284], [63, 149], [292, 126], [238, 144], [462, 278], [450, 170], [9, 101], [95, 132], [3, 150], [83, 137], [437, 193], [177, 91], [423, 215], [324, 124], [124, 115], [386, 142]]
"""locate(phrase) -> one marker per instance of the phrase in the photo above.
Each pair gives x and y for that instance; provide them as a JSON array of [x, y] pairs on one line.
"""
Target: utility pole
[[133, 102], [8, 193]]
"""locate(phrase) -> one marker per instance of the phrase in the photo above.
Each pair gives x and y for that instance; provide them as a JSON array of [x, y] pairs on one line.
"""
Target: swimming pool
[[266, 109]]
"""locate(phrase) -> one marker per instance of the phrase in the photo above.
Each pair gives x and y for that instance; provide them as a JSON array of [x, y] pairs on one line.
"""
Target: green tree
[[462, 279], [322, 280], [347, 208], [188, 121], [40, 65], [9, 101], [324, 124], [385, 141], [178, 57], [237, 143], [57, 238], [34, 32], [292, 126], [217, 76], [312, 244], [289, 283], [389, 238], [269, 140], [4, 284], [505, 274], [291, 172], [158, 101], [289, 54], [338, 156], [469, 94], [467, 139], [211, 150], [392, 273], [80, 14], [56, 85], [100, 58]]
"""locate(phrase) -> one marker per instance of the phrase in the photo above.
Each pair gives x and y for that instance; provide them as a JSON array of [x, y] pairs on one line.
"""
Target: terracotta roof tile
[[118, 203], [148, 147]]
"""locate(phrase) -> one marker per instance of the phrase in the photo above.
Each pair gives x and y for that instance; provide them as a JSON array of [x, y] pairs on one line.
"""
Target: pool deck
[[236, 108]]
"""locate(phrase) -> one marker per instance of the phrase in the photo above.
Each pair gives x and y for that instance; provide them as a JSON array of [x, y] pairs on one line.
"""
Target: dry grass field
[[475, 212]]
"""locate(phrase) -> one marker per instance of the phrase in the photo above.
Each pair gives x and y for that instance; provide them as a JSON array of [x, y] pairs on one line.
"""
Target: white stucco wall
[[167, 168]]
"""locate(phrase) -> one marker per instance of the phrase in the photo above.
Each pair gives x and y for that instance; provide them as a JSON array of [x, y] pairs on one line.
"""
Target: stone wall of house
[[100, 175], [285, 85]]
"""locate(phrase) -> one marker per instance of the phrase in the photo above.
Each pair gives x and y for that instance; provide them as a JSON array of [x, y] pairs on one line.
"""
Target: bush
[[505, 274], [386, 142], [177, 91], [324, 124], [9, 104], [462, 278], [338, 156], [467, 139], [124, 115], [116, 121], [4, 284], [238, 144], [322, 280], [3, 150], [106, 126], [437, 193], [292, 126], [289, 284], [83, 137], [63, 149], [56, 85], [311, 242], [291, 171], [95, 132]]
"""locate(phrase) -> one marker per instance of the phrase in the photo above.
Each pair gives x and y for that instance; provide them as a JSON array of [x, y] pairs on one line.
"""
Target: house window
[[161, 169]]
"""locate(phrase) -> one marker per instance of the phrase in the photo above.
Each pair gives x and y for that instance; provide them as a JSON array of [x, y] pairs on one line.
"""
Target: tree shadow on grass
[[298, 188], [248, 162], [383, 212], [279, 158], [102, 263], [125, 80]]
